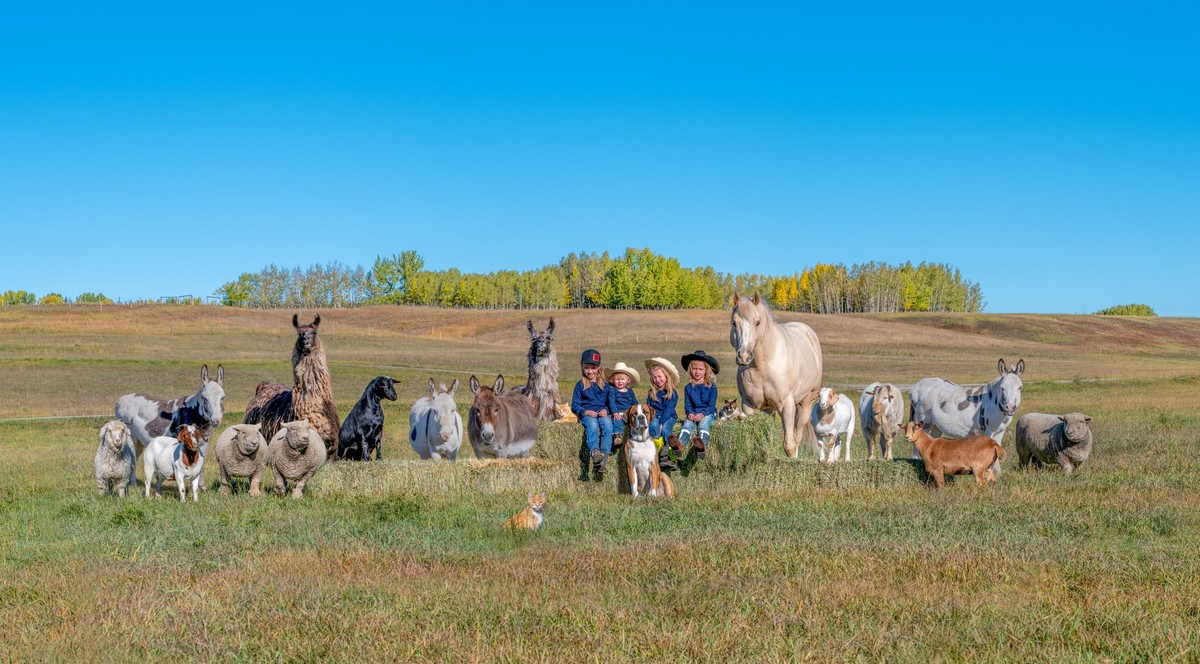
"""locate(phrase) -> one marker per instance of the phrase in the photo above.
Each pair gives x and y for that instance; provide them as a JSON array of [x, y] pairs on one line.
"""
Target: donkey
[[500, 425], [149, 417], [435, 429], [542, 385], [952, 411]]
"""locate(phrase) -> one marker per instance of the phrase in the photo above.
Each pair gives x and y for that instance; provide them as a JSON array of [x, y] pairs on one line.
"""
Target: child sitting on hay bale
[[663, 397], [621, 397], [589, 402], [699, 400]]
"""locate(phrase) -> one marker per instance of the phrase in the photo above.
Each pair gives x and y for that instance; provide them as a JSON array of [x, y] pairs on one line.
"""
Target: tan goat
[[945, 456]]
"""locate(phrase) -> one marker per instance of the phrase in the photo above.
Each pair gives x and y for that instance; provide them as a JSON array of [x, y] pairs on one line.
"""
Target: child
[[663, 396], [699, 399], [589, 402], [621, 397]]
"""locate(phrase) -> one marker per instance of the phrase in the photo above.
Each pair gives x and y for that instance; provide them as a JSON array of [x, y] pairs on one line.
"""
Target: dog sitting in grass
[[638, 458]]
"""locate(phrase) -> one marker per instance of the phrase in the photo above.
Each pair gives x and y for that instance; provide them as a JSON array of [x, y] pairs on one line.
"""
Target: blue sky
[[1051, 152]]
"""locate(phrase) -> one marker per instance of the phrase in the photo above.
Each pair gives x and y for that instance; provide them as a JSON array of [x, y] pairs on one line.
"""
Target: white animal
[[295, 453], [435, 429], [241, 452], [833, 422], [114, 458], [881, 412], [179, 458], [952, 411]]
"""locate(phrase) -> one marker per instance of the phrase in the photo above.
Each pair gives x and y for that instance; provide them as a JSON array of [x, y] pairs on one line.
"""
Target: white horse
[[779, 367], [953, 411], [435, 429]]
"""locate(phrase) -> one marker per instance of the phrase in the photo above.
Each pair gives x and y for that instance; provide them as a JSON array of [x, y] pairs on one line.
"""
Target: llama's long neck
[[311, 376]]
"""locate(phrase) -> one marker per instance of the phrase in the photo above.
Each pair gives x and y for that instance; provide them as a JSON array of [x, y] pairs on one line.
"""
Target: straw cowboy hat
[[634, 377], [703, 357], [666, 366]]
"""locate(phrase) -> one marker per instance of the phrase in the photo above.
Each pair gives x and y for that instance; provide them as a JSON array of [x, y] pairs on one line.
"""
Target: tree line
[[639, 279]]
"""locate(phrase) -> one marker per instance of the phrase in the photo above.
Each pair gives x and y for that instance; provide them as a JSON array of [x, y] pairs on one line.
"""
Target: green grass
[[759, 557]]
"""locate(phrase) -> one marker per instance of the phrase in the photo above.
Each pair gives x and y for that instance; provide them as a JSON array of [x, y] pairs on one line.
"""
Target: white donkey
[[435, 429], [954, 411], [833, 422]]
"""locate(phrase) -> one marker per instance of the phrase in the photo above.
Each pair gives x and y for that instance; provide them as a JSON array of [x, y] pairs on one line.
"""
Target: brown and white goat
[[945, 456]]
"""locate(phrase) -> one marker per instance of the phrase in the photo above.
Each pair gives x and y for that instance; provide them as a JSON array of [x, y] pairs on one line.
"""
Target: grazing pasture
[[757, 557]]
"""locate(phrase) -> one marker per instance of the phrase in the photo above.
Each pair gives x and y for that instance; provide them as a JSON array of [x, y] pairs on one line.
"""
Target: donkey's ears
[[204, 374], [1001, 367], [1020, 367], [432, 387], [474, 385], [498, 387], [220, 375], [454, 387]]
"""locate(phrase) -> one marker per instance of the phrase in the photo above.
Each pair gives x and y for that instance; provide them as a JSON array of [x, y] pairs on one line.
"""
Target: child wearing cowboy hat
[[663, 397], [699, 399], [589, 402], [621, 397]]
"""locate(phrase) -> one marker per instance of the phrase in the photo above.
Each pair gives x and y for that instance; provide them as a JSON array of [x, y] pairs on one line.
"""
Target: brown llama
[[542, 384], [311, 397]]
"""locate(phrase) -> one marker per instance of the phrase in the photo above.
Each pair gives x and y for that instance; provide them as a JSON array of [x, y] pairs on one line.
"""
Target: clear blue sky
[[1051, 152]]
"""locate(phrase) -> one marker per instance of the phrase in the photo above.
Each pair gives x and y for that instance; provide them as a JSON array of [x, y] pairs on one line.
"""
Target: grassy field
[[759, 557]]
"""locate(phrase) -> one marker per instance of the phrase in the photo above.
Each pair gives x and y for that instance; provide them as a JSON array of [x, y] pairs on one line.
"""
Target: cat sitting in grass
[[529, 518]]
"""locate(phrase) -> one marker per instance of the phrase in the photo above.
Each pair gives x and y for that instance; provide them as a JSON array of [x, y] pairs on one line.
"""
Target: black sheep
[[362, 430]]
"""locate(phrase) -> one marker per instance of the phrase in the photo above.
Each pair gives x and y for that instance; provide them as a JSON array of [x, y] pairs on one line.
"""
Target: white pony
[[779, 367], [952, 411], [833, 422], [435, 429]]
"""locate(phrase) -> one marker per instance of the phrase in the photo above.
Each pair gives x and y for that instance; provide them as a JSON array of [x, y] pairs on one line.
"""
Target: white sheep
[[295, 452], [1065, 440], [241, 452], [180, 458], [833, 422], [114, 458]]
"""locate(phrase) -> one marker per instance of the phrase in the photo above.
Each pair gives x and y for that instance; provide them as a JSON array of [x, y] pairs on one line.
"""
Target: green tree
[[92, 298], [1128, 310], [52, 298], [239, 293]]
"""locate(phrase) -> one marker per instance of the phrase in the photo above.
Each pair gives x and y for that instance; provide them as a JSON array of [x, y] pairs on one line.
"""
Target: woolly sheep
[[296, 452], [242, 452], [114, 458], [1065, 440]]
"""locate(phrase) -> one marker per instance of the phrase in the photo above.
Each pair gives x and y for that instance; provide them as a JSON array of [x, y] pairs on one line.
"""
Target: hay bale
[[746, 455]]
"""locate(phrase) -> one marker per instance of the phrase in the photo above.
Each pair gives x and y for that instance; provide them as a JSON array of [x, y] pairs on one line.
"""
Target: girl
[[589, 402], [663, 396], [699, 399], [621, 397]]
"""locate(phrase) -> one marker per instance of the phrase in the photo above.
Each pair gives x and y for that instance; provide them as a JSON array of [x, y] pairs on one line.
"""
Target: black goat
[[362, 430]]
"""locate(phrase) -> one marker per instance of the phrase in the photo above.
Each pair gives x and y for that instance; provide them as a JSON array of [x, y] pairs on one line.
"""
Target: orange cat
[[529, 518]]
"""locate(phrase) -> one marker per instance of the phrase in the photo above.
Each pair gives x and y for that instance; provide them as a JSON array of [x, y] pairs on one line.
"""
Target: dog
[[730, 411], [641, 456]]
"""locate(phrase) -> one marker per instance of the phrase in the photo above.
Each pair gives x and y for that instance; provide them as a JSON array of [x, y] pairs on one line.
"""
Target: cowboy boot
[[664, 459], [699, 446], [676, 445]]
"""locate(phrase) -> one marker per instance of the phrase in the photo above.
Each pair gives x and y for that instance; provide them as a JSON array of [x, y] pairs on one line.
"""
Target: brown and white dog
[[641, 456]]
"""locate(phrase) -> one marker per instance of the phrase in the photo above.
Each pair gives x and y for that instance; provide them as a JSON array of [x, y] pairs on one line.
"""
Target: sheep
[[241, 452], [833, 422], [881, 412], [944, 456], [295, 452], [114, 458], [1062, 439]]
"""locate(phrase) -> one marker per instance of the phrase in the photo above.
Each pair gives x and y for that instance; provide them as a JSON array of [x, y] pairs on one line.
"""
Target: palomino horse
[[953, 411], [779, 367], [500, 425]]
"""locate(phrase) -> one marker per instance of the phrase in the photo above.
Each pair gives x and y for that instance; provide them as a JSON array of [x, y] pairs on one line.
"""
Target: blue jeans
[[599, 433], [689, 429], [657, 431]]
